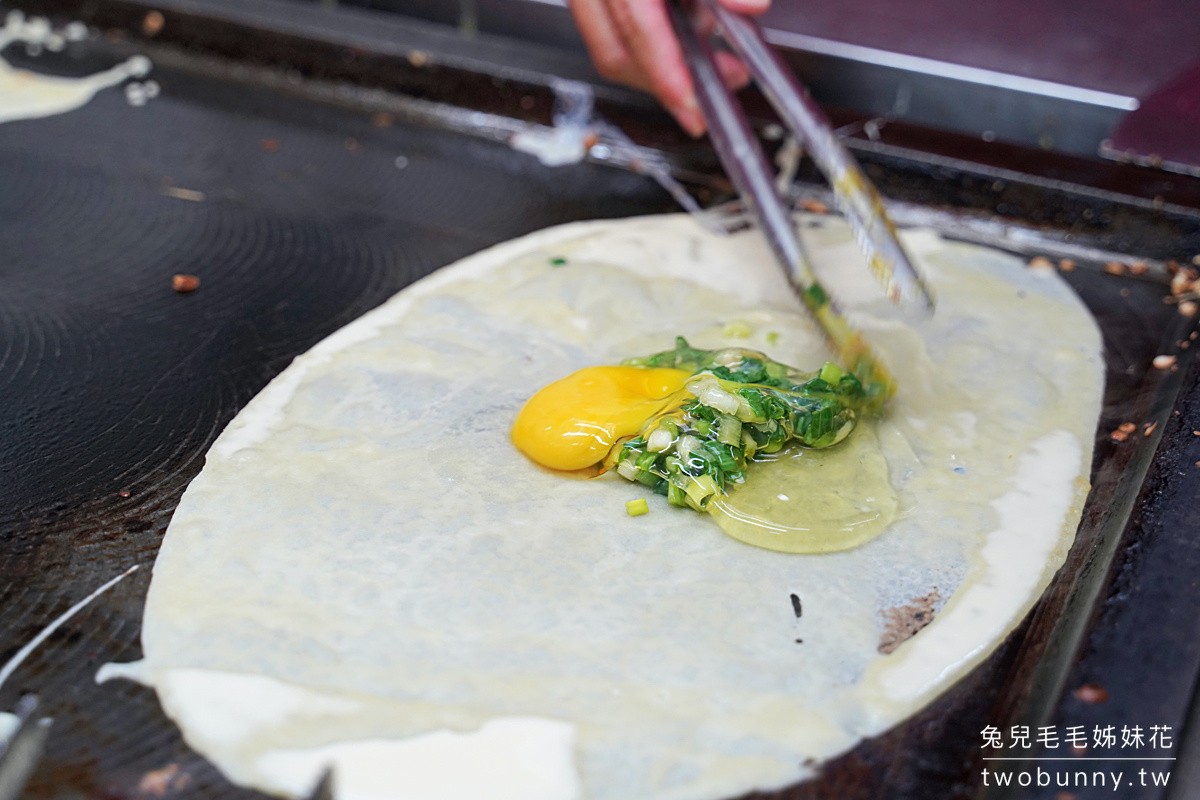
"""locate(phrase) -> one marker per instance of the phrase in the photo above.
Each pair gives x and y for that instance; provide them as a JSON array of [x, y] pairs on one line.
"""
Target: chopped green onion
[[831, 373], [648, 479], [646, 460], [737, 329], [730, 430], [635, 508], [660, 439], [628, 470], [742, 405], [699, 490]]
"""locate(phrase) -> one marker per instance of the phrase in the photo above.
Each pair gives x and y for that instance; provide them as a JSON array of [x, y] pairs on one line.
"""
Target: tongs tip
[[855, 195]]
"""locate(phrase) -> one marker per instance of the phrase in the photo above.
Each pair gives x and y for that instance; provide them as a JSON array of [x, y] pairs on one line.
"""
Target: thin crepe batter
[[367, 572], [28, 95]]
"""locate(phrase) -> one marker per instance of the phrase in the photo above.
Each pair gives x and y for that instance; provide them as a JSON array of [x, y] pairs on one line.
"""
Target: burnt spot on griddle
[[796, 608], [901, 623], [138, 525]]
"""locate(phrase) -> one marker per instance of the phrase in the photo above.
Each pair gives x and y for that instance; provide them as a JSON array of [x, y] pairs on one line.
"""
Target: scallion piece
[[739, 406], [635, 508]]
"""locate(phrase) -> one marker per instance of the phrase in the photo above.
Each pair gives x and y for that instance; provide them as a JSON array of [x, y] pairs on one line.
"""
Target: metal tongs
[[743, 159]]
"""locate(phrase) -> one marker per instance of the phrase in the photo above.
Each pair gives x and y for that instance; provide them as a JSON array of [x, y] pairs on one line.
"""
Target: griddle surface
[[113, 383], [114, 386]]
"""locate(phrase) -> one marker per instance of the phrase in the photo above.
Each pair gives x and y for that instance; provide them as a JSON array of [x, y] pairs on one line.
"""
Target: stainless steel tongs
[[743, 159]]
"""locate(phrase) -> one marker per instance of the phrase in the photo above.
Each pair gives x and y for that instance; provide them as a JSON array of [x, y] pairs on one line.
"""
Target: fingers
[[649, 38], [750, 7], [733, 71], [604, 43], [632, 41]]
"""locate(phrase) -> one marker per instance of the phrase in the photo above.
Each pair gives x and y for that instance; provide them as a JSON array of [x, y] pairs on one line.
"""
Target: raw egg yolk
[[572, 423]]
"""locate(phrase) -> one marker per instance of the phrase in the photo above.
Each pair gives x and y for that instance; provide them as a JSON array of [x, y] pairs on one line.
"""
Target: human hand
[[631, 41]]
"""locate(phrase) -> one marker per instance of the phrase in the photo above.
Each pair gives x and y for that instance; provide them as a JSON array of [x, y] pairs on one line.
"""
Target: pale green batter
[[366, 571]]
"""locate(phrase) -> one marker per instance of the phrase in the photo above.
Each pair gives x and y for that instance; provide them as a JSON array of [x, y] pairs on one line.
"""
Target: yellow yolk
[[572, 423]]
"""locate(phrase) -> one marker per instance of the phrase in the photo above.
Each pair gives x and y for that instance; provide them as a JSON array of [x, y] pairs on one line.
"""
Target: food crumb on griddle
[[1114, 268], [1041, 263], [383, 120], [1185, 289], [1149, 429], [813, 206], [185, 283], [179, 193], [1066, 264], [1122, 432], [269, 145], [901, 623], [1181, 281], [1164, 361], [1138, 268], [1091, 693], [152, 23], [159, 782]]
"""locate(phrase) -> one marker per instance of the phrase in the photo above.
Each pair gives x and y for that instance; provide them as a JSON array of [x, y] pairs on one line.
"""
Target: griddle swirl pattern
[[112, 385]]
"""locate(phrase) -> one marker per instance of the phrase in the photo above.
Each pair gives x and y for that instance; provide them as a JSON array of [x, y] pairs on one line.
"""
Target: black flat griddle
[[287, 200], [114, 385]]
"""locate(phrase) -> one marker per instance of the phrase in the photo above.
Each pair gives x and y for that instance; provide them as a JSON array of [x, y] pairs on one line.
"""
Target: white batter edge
[[530, 756]]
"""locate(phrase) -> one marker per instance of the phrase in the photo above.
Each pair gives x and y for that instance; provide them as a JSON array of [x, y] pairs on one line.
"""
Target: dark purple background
[[1121, 46]]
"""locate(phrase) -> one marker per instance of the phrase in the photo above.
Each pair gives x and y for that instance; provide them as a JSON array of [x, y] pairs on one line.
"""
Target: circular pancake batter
[[368, 573]]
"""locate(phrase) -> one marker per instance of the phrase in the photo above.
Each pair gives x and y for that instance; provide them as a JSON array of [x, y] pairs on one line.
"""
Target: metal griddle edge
[[274, 114]]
